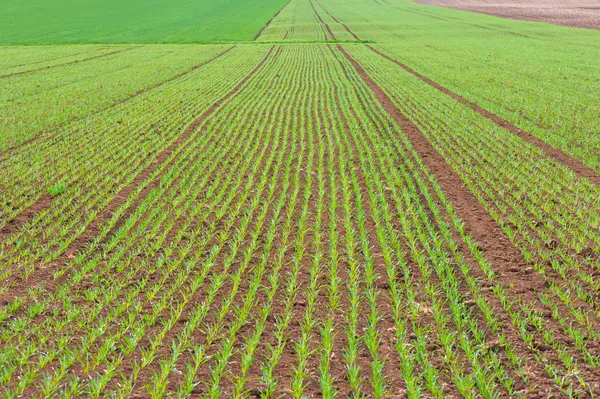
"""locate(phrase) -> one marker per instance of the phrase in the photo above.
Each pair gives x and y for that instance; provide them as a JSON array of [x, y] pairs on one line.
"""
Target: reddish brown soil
[[336, 20], [556, 154], [14, 225], [44, 276], [504, 257], [575, 13], [331, 34]]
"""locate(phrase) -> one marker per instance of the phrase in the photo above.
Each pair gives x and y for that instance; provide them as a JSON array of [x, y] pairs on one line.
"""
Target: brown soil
[[336, 20], [122, 101], [44, 275], [331, 34], [66, 63], [505, 258], [15, 224], [556, 154], [575, 13], [169, 80], [269, 21]]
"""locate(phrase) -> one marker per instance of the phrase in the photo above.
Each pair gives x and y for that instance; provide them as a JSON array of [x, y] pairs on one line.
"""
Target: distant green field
[[132, 21]]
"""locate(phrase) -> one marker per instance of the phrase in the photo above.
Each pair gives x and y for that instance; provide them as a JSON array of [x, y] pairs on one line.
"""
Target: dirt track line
[[501, 252], [122, 101], [331, 34], [16, 223], [558, 155], [473, 212], [53, 59], [121, 197], [66, 63], [338, 21], [505, 259], [271, 20]]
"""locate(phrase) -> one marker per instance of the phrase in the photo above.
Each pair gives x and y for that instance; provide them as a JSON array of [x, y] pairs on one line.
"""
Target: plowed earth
[[575, 13]]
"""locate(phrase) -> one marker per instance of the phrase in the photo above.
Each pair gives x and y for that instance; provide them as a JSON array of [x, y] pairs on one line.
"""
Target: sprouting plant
[[57, 189]]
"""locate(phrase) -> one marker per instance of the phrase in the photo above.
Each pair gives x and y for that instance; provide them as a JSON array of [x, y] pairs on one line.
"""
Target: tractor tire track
[[331, 34], [66, 63], [270, 20], [90, 231], [503, 254], [558, 155], [505, 258], [337, 20], [115, 104], [15, 224]]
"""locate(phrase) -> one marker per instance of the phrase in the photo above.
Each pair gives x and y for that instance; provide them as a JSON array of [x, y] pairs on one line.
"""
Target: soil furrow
[[338, 21], [65, 64], [495, 245], [558, 155], [15, 224], [121, 197], [331, 34], [270, 20], [115, 104], [425, 318]]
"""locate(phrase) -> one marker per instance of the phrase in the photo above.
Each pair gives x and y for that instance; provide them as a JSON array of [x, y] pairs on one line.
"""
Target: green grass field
[[133, 21], [370, 199]]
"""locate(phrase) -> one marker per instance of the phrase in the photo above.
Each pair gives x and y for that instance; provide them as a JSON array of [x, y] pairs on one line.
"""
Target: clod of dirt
[[586, 252]]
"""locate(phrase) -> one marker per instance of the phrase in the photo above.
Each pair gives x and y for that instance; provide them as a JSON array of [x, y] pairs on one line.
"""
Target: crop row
[[297, 21], [296, 220], [105, 154], [45, 101], [546, 211], [160, 211], [541, 78], [295, 246]]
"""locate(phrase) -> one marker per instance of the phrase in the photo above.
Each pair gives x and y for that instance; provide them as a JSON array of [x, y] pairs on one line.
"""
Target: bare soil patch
[[575, 13]]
